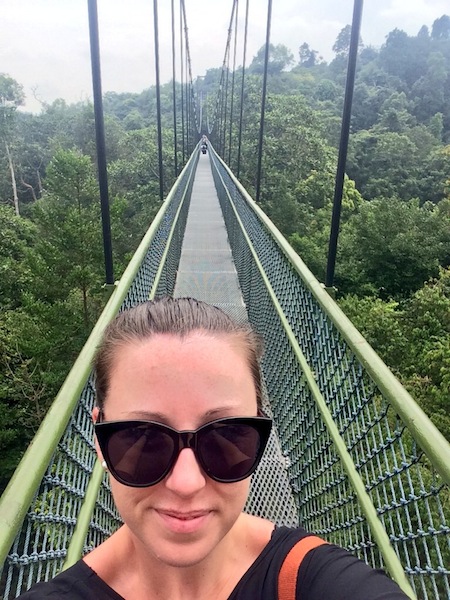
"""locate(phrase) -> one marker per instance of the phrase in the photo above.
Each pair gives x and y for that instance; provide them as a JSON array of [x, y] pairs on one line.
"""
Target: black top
[[327, 572]]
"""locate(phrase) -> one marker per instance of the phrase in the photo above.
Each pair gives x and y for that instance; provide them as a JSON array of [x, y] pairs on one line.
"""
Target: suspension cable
[[174, 97], [186, 99], [182, 85], [227, 75], [100, 140], [241, 111], [200, 103], [158, 101], [192, 96], [343, 145], [225, 105], [219, 104], [263, 102], [232, 83]]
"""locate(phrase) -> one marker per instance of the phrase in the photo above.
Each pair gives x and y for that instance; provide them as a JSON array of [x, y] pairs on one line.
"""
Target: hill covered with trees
[[392, 272]]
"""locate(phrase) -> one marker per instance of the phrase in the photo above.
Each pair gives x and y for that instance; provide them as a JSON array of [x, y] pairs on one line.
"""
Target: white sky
[[44, 44]]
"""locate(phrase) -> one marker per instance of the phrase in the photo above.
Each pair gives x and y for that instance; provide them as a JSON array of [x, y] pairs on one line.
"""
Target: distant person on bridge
[[180, 428]]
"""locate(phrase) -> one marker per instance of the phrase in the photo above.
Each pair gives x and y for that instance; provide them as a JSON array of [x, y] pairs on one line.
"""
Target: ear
[[95, 413], [95, 416]]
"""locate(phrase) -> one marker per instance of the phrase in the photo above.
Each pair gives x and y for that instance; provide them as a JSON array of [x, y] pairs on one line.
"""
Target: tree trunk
[[40, 187], [13, 180], [29, 187]]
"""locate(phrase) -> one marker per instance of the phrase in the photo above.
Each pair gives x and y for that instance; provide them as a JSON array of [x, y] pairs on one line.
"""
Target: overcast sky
[[44, 44]]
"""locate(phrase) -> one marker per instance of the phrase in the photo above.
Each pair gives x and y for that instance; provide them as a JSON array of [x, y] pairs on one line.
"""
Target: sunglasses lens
[[140, 455], [229, 452]]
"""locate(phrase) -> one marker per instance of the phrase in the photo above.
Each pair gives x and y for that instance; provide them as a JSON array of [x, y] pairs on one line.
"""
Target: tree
[[11, 96], [326, 90], [441, 28], [435, 181], [384, 163], [280, 58], [394, 113], [404, 56], [11, 91], [16, 235], [429, 91], [413, 338], [307, 56], [67, 255], [390, 248], [315, 198], [367, 100], [341, 46]]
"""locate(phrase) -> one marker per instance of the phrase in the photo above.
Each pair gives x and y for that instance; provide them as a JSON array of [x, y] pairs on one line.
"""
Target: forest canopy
[[393, 264]]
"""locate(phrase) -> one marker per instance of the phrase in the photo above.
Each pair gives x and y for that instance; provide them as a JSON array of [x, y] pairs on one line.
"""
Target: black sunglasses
[[142, 453]]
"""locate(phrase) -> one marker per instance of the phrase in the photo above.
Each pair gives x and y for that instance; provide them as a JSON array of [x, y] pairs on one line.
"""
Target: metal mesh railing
[[409, 495], [41, 546], [330, 400]]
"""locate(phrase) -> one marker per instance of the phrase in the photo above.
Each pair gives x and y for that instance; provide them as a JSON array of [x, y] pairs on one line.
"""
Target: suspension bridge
[[352, 457]]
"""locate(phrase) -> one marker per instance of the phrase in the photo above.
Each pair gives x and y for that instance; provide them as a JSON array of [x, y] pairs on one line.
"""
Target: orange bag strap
[[287, 577]]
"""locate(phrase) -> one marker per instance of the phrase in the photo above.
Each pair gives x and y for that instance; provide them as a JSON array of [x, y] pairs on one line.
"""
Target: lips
[[184, 522]]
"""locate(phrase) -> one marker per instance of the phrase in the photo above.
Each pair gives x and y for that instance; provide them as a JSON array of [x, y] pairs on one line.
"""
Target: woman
[[179, 426]]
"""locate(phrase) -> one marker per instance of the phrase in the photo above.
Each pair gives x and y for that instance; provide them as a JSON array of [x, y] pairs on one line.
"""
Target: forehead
[[194, 374], [196, 343]]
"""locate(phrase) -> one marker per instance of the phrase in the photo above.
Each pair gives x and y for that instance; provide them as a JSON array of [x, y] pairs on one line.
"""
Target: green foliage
[[15, 237], [67, 254], [390, 248], [441, 28], [312, 235], [341, 46], [413, 338], [435, 182], [293, 150], [390, 243], [11, 92], [51, 260], [380, 324], [307, 56], [383, 163], [280, 58]]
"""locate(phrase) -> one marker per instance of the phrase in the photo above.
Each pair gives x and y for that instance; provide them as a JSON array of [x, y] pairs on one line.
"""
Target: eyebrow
[[160, 417]]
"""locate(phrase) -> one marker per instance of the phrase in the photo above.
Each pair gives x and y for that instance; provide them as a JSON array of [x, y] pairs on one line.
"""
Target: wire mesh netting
[[40, 548], [408, 494], [411, 500]]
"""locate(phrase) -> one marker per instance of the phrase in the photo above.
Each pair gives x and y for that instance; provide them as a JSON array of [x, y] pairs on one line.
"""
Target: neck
[[134, 573]]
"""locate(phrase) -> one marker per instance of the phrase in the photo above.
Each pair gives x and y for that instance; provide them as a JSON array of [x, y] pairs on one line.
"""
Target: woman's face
[[183, 383]]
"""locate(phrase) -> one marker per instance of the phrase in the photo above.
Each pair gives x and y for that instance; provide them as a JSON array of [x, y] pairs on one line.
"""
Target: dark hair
[[176, 316]]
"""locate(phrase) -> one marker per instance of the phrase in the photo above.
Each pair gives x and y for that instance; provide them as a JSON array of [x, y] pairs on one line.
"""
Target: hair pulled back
[[174, 316]]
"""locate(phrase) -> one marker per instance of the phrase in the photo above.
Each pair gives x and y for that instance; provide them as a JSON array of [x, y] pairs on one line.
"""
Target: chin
[[185, 555]]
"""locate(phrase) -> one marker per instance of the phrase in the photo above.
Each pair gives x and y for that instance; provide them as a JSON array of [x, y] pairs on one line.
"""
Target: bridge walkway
[[207, 272]]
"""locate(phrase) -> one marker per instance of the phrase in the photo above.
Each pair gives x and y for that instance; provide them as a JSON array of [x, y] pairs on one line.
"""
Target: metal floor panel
[[206, 269], [207, 272]]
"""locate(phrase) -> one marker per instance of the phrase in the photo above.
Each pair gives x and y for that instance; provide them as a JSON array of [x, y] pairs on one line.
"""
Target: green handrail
[[21, 489], [424, 432], [75, 549], [379, 533]]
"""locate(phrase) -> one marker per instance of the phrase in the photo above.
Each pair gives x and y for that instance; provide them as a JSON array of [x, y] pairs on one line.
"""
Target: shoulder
[[79, 582], [261, 579], [254, 531], [323, 569], [331, 567]]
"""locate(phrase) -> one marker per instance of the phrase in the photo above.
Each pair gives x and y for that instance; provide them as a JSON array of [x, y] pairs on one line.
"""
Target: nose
[[186, 478]]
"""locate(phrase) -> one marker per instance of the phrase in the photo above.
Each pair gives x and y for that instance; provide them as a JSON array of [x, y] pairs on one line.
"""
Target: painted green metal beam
[[380, 535], [19, 493], [77, 541], [424, 432]]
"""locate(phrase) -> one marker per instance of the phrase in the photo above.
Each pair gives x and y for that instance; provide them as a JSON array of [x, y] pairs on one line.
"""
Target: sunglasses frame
[[183, 439]]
